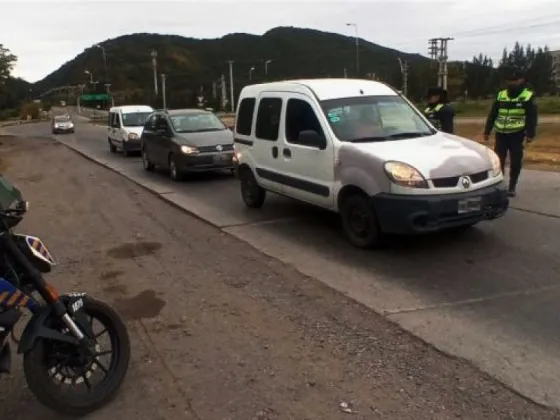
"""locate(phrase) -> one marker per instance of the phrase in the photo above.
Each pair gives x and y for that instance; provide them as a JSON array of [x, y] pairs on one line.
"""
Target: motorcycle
[[63, 360]]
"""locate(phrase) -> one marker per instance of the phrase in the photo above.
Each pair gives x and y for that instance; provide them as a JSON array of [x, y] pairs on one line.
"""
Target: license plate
[[222, 159], [470, 205]]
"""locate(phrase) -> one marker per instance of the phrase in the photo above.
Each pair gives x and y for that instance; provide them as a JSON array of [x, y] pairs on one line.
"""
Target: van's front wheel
[[359, 222], [252, 193]]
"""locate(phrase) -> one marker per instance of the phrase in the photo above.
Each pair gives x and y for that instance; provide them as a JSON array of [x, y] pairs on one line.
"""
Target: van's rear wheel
[[252, 193], [359, 222]]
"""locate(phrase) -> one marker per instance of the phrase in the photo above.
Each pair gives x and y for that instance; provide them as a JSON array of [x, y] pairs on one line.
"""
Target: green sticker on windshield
[[335, 119]]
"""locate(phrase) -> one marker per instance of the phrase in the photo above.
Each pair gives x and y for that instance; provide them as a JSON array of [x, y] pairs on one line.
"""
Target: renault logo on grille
[[219, 148], [465, 182]]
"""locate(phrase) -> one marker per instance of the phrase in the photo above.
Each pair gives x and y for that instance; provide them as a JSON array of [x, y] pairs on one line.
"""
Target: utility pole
[[231, 97], [355, 25], [224, 92], [163, 91], [154, 66], [404, 72], [108, 89], [345, 73], [438, 51], [214, 90]]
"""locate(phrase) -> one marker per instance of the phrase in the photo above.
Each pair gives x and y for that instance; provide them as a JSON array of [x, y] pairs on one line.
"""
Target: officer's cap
[[433, 91], [513, 73]]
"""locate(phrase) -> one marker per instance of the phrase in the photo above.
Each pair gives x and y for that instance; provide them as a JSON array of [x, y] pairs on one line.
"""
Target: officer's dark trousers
[[511, 143]]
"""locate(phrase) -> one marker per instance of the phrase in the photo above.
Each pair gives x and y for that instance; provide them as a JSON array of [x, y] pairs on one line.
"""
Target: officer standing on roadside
[[439, 111], [514, 119]]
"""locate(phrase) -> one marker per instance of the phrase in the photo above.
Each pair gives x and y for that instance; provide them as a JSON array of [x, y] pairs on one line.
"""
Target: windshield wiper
[[369, 139], [202, 130], [408, 134]]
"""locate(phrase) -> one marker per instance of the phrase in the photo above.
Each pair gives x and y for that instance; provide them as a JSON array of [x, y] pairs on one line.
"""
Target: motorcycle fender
[[36, 328]]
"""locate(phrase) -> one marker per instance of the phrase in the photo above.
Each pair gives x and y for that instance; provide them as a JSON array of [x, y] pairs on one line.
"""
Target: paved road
[[218, 330], [490, 295]]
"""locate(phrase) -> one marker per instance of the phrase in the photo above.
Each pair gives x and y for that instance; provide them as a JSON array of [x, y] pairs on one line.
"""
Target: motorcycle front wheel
[[72, 382]]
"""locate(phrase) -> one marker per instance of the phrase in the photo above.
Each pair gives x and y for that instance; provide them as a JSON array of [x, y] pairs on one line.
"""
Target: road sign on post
[[95, 97], [201, 101]]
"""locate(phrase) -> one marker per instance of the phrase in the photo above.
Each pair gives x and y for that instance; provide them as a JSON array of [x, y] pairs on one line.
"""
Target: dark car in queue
[[62, 124], [186, 140]]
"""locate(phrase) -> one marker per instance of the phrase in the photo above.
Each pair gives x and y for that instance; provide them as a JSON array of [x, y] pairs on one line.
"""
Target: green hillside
[[191, 63]]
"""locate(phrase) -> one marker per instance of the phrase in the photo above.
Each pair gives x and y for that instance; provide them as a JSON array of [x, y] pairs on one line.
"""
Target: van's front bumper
[[132, 145], [407, 214]]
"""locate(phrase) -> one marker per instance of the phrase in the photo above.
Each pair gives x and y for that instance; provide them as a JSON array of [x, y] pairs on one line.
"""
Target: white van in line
[[359, 148], [125, 127]]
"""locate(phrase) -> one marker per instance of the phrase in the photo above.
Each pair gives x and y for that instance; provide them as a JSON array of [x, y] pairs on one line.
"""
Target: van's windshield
[[374, 118], [135, 119]]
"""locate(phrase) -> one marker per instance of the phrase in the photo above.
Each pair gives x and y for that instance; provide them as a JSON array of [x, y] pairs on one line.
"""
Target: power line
[[487, 31]]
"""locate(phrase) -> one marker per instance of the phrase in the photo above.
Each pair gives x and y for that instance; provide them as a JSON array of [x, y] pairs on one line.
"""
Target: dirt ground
[[543, 153], [220, 331]]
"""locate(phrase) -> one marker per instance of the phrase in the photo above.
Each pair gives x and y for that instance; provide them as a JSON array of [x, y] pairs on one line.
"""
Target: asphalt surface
[[218, 330], [489, 295]]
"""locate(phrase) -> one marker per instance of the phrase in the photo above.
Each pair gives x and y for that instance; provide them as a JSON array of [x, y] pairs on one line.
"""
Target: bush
[[30, 109], [8, 114]]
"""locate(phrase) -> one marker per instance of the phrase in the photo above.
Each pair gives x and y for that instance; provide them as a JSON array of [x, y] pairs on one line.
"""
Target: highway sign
[[95, 97]]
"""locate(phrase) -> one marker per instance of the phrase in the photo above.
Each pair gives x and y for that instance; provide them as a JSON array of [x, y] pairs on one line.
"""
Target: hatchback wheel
[[252, 193], [174, 172], [359, 222], [148, 166]]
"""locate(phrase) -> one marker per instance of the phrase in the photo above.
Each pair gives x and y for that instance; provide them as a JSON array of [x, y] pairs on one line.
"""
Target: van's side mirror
[[312, 138]]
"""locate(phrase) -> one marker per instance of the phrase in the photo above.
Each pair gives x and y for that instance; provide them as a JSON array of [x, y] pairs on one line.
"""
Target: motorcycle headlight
[[405, 175], [495, 161]]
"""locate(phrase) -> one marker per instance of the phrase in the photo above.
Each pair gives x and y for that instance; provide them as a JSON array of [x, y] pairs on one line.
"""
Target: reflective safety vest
[[511, 111], [430, 113]]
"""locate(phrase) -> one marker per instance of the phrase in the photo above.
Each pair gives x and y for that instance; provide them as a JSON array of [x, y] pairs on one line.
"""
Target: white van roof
[[324, 89], [127, 109]]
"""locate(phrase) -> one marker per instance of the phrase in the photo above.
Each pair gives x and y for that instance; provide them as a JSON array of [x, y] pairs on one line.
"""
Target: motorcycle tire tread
[[40, 383]]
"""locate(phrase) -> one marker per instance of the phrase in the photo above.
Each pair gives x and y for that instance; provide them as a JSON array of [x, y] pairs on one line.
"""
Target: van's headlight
[[189, 150], [405, 175], [495, 161], [132, 136]]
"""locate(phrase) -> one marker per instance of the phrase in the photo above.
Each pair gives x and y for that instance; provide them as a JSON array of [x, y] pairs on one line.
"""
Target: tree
[[7, 62]]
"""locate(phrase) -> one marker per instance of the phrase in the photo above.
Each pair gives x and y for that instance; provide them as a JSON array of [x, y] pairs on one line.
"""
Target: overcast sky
[[45, 34]]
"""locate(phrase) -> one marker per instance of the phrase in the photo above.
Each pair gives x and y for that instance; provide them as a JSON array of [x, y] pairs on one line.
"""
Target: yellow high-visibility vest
[[511, 111]]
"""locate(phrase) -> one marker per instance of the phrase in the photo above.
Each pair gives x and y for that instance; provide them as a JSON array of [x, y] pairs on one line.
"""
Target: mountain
[[190, 64]]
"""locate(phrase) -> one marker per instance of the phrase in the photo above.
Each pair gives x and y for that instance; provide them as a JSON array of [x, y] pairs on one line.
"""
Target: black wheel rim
[[359, 221], [72, 367], [173, 169]]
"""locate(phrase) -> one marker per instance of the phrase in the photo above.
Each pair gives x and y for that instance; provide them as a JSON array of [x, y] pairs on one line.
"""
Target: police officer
[[440, 113], [513, 118]]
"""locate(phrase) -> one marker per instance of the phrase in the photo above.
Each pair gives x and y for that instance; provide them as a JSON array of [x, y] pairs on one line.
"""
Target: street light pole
[[104, 60], [154, 66], [251, 73], [90, 76], [355, 25], [266, 63], [231, 98]]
